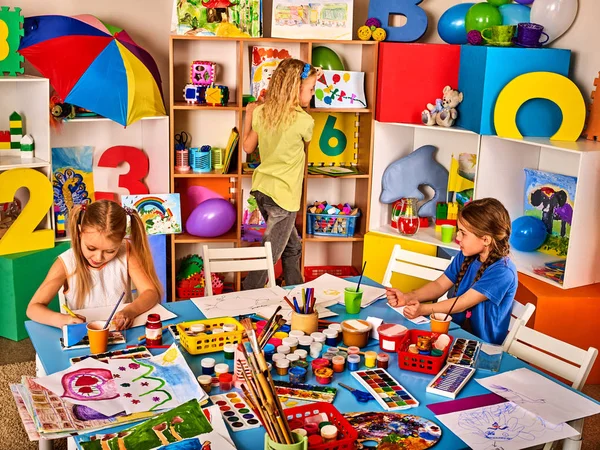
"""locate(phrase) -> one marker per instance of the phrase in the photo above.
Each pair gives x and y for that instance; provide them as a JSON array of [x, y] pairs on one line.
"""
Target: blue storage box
[[335, 225]]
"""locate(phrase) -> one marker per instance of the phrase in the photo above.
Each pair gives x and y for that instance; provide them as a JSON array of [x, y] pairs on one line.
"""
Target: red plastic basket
[[312, 272], [421, 363], [184, 293], [347, 435]]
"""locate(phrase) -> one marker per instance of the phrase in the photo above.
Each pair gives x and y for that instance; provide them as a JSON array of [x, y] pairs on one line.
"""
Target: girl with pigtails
[[100, 266], [483, 276]]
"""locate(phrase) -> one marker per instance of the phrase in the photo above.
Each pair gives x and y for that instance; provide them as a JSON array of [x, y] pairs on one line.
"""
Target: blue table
[[45, 340]]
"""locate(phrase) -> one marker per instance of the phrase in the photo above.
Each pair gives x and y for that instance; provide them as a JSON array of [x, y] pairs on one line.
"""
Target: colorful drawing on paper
[[304, 392], [335, 139], [322, 19], [72, 179], [340, 89], [264, 62], [226, 18], [551, 198], [413, 432], [461, 179], [161, 213], [89, 384]]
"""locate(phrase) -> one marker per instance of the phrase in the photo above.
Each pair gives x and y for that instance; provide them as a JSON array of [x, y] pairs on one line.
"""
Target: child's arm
[[38, 306], [250, 137], [466, 301], [148, 296], [431, 291]]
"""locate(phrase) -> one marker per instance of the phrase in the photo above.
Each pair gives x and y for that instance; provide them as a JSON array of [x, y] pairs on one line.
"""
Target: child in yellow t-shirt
[[283, 130]]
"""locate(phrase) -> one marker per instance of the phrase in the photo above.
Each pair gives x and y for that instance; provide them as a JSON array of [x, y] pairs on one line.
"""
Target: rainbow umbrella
[[95, 66]]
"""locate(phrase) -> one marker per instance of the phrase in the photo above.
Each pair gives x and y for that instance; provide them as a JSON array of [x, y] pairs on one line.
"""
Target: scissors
[[361, 396], [182, 140]]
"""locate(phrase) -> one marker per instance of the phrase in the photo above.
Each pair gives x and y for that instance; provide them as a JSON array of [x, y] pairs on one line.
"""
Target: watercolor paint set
[[450, 380], [174, 331], [236, 412], [139, 352], [464, 352], [305, 392], [390, 394]]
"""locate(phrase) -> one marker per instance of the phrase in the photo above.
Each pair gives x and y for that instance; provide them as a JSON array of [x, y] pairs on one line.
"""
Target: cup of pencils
[[304, 315]]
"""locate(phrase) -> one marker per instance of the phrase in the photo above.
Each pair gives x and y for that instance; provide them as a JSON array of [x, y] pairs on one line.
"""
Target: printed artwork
[[322, 19], [335, 139], [161, 213], [264, 62], [225, 18], [461, 179], [551, 197], [340, 89], [72, 179]]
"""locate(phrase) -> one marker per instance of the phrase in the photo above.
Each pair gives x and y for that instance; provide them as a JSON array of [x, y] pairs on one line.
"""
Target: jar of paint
[[259, 326], [229, 351], [214, 381], [280, 335], [217, 330], [436, 352], [208, 366], [320, 362], [353, 362], [283, 349], [424, 344], [315, 350], [329, 433], [282, 365], [338, 363], [297, 333], [297, 375], [291, 342], [330, 337], [221, 369], [197, 328], [205, 382], [353, 350], [304, 342], [312, 429], [275, 342], [356, 332], [328, 356], [390, 336], [370, 359], [301, 431], [412, 348], [153, 330], [307, 323], [285, 328], [342, 353], [324, 375], [300, 363], [269, 350], [301, 353], [229, 327], [318, 337], [383, 360], [277, 357], [292, 357], [337, 327], [226, 381]]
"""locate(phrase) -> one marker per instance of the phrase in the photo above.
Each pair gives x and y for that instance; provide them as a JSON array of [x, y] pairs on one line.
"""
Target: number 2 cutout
[[416, 18], [139, 166], [21, 235]]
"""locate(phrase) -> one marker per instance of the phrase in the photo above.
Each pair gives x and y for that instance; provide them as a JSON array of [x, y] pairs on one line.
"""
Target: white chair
[[415, 265], [519, 312], [557, 357], [245, 259]]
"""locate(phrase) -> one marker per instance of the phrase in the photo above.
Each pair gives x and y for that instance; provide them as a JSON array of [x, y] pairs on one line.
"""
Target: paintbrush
[[451, 308], [276, 327], [361, 275], [269, 322], [113, 312], [267, 333]]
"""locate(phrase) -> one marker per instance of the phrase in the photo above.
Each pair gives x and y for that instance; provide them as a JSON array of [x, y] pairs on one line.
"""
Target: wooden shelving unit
[[212, 125]]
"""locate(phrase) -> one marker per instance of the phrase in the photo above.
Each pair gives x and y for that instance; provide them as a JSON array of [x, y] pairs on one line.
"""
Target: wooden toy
[[592, 129]]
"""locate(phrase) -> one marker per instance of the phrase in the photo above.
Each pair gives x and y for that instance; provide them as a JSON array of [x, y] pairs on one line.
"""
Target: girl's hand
[[394, 297], [412, 309], [123, 319], [70, 320], [250, 107]]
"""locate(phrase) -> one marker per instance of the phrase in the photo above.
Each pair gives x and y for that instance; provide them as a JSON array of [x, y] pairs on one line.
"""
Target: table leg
[[45, 444]]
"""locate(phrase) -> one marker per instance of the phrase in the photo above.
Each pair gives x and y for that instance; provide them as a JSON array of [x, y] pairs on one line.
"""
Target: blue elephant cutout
[[403, 177]]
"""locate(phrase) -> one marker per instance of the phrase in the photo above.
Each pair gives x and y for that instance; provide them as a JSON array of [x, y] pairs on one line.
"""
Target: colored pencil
[[287, 300], [113, 312], [68, 310]]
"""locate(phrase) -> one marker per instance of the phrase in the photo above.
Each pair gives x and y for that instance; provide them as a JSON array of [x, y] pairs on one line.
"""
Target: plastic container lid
[[338, 360], [330, 333], [335, 326], [283, 349], [217, 330], [278, 356], [292, 357], [353, 358], [205, 379], [290, 342], [392, 330], [383, 357], [329, 432], [356, 326], [229, 348], [197, 328], [221, 368], [318, 336], [229, 327], [208, 362], [301, 431], [282, 363], [305, 341], [301, 353], [269, 348], [297, 333], [316, 346], [353, 350]]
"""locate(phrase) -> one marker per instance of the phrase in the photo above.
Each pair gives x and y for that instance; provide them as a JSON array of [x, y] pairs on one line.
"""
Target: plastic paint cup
[[98, 336], [370, 359], [352, 300], [438, 325], [447, 233]]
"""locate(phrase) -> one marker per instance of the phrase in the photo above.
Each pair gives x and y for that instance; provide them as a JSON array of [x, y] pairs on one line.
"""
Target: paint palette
[[390, 394], [464, 352], [139, 352], [450, 380], [304, 392], [236, 412], [174, 331]]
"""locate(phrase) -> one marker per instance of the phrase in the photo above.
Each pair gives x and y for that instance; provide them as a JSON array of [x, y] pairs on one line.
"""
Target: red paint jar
[[383, 360], [153, 330], [324, 375], [226, 381], [320, 362]]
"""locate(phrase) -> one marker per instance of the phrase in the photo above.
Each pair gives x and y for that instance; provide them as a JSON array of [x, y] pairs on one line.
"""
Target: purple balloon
[[524, 2], [211, 218]]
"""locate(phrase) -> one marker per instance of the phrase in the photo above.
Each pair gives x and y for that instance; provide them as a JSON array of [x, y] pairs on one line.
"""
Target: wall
[[148, 22]]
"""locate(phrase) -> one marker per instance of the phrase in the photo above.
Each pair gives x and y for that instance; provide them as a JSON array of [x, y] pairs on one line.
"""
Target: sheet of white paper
[[89, 383], [540, 395], [161, 382], [286, 312], [505, 425], [214, 416], [375, 321], [329, 288], [417, 320], [103, 312]]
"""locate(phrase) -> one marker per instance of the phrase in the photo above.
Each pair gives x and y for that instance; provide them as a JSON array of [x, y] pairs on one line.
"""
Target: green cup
[[352, 299], [447, 233], [499, 34]]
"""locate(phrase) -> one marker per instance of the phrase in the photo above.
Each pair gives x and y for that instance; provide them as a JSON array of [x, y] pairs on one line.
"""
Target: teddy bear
[[444, 112]]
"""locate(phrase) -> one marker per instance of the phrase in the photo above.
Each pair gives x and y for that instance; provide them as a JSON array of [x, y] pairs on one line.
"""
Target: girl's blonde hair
[[284, 92], [110, 219], [486, 217]]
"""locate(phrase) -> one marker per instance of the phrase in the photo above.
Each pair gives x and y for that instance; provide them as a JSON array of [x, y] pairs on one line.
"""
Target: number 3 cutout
[[21, 235], [139, 166], [416, 19]]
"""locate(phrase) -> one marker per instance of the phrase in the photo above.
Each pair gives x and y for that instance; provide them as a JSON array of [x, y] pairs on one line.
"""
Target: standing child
[[100, 266], [283, 131], [485, 279]]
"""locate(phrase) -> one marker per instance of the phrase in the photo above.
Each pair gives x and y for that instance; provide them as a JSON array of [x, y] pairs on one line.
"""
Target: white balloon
[[555, 15]]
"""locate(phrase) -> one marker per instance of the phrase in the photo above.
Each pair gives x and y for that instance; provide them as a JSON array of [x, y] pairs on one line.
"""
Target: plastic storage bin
[[417, 362], [313, 272], [338, 225], [208, 343]]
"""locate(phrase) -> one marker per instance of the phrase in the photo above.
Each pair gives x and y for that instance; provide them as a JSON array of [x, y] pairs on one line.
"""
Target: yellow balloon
[[346, 77], [547, 85]]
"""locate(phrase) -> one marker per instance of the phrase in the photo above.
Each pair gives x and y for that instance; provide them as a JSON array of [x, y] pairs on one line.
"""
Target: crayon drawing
[[322, 19], [340, 89], [264, 62]]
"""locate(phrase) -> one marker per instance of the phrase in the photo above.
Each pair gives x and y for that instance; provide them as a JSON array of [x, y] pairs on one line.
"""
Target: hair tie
[[129, 211], [305, 72]]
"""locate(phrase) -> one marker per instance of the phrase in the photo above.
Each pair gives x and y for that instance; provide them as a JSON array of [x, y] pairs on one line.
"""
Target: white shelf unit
[[396, 140]]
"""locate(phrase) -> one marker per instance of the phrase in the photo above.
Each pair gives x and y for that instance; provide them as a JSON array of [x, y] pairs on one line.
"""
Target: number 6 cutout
[[21, 235]]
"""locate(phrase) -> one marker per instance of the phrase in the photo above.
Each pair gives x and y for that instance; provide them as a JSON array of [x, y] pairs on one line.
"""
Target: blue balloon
[[451, 26], [514, 14], [528, 234]]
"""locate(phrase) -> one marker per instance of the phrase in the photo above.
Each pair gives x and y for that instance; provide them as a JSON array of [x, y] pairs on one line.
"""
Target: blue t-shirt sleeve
[[454, 268], [496, 282]]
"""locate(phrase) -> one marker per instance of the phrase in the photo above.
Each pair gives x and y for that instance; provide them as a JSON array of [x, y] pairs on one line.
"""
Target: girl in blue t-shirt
[[483, 276]]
